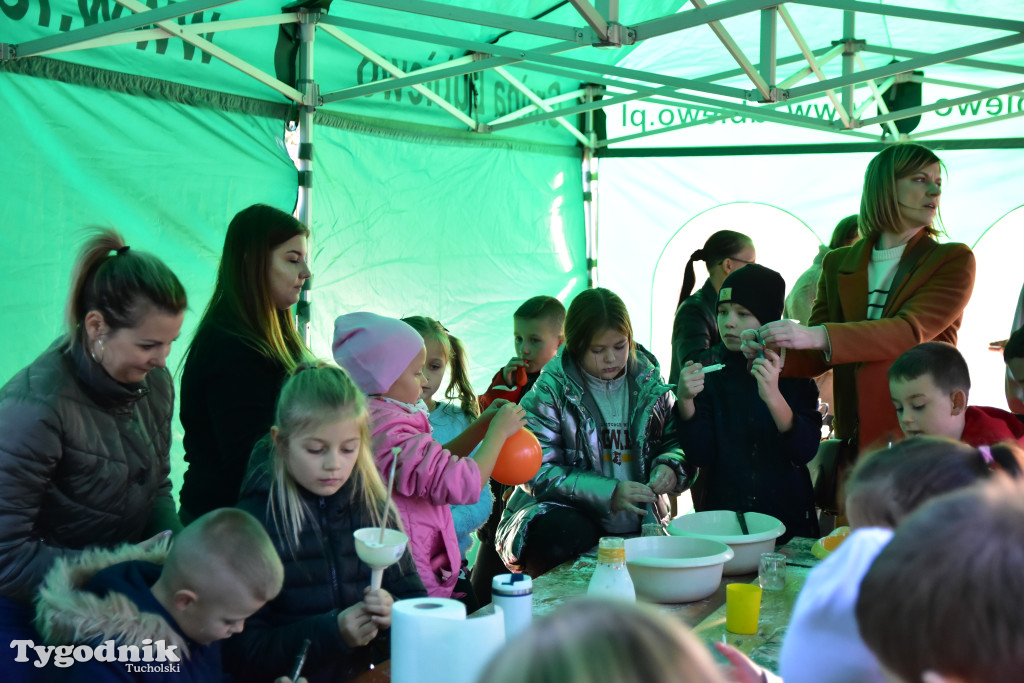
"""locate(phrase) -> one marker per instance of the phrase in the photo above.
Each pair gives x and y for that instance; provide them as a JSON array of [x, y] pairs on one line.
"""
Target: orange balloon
[[519, 459], [521, 377]]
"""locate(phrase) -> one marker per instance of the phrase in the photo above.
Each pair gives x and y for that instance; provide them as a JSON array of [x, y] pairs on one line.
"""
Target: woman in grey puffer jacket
[[606, 423], [87, 429]]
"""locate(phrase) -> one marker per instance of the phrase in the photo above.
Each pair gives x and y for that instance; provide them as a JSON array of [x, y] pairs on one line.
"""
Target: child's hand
[[766, 371], [493, 407], [750, 344], [378, 604], [509, 419], [691, 381], [508, 373], [663, 480], [628, 494], [356, 625], [742, 669]]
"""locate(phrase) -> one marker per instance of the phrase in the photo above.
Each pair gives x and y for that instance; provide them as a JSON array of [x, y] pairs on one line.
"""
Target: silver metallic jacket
[[568, 425]]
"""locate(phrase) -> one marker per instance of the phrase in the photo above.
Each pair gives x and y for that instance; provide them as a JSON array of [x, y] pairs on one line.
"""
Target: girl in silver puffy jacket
[[606, 422]]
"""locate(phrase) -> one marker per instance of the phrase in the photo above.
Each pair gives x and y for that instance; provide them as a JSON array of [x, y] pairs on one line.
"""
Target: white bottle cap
[[512, 584]]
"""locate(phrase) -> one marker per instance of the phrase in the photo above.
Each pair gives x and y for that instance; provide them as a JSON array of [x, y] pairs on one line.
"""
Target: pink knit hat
[[374, 349]]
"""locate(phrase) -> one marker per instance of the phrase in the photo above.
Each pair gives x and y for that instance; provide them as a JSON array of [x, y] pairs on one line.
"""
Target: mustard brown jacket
[[932, 285]]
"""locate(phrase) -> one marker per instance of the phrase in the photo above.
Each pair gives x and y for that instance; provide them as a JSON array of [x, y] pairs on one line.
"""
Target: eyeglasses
[[733, 258]]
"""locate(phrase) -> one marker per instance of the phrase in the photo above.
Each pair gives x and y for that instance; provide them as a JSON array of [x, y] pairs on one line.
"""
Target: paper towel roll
[[432, 640]]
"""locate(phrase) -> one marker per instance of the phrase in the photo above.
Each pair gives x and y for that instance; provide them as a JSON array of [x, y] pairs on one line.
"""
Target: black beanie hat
[[760, 290]]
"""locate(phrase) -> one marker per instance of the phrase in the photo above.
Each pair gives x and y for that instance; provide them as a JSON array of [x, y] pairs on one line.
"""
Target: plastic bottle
[[514, 594], [611, 578]]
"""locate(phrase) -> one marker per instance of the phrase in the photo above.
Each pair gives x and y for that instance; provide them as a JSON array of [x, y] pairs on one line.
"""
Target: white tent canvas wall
[[439, 184]]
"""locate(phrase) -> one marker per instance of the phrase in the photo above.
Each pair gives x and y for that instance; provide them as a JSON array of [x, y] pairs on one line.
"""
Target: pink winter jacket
[[427, 480]]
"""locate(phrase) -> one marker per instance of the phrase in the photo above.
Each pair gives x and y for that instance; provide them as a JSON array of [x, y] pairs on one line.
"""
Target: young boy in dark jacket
[[176, 603], [750, 432]]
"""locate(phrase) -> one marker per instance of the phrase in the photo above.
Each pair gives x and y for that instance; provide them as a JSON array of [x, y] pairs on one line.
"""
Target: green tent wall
[[412, 213]]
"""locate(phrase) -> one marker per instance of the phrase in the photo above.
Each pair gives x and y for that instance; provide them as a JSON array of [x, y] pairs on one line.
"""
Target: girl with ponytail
[[87, 428], [696, 326]]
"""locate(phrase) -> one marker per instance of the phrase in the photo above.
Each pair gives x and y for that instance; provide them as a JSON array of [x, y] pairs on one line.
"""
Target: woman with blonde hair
[[242, 351], [893, 289]]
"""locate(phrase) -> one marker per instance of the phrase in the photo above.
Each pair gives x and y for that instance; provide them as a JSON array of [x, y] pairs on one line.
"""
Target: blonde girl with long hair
[[312, 482]]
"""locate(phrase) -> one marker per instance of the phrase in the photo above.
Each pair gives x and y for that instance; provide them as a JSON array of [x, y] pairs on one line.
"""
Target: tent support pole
[[876, 95], [530, 108], [444, 104], [914, 111], [769, 37], [220, 53], [592, 17], [143, 16], [734, 49], [304, 209], [909, 65], [849, 19], [590, 190]]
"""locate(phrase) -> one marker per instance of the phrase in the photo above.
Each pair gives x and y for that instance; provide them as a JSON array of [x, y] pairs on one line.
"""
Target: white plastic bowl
[[675, 569], [723, 526]]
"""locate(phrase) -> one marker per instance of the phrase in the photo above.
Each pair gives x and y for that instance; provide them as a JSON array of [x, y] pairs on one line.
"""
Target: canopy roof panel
[[459, 65]]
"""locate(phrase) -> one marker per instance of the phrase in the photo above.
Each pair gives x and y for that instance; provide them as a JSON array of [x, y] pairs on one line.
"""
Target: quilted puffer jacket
[[84, 461], [568, 424], [323, 575]]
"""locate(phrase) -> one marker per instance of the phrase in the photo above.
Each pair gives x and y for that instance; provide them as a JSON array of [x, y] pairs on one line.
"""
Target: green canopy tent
[[445, 154]]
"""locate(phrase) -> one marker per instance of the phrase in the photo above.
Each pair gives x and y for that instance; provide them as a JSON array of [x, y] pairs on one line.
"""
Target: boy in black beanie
[[750, 432]]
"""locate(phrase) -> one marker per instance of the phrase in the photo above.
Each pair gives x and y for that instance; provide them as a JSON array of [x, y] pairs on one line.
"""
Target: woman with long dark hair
[[244, 348]]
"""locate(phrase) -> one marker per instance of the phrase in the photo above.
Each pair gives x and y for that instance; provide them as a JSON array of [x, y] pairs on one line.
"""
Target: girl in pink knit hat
[[385, 358]]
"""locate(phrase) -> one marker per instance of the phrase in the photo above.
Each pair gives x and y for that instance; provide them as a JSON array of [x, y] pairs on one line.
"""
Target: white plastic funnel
[[378, 555]]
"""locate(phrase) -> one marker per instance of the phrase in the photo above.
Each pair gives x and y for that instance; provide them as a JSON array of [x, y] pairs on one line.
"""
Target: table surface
[[706, 617]]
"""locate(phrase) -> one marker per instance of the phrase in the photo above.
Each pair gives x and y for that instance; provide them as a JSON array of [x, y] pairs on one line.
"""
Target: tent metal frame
[[774, 80], [598, 25]]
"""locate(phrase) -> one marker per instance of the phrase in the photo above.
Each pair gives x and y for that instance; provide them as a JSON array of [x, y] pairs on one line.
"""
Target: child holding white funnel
[[385, 358], [312, 483]]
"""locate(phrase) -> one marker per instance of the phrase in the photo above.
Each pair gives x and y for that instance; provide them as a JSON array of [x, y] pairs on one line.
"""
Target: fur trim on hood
[[67, 614]]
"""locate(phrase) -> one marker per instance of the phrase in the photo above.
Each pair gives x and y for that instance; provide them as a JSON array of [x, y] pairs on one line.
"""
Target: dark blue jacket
[[744, 463], [322, 577], [97, 599]]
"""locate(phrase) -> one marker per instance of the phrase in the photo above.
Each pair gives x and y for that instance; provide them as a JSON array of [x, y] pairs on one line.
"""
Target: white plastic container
[[611, 578], [723, 525], [513, 593], [673, 569]]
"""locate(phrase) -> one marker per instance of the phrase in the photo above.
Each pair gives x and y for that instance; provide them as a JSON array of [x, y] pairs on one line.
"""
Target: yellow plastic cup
[[742, 608]]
